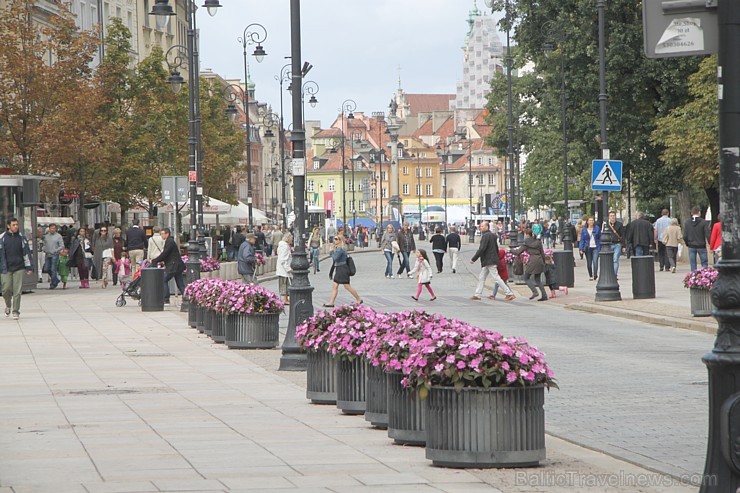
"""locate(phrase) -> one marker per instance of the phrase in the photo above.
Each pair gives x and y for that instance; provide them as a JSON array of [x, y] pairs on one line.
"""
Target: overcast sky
[[355, 46]]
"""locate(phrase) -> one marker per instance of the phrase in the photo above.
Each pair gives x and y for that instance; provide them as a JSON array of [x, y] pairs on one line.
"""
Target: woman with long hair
[[339, 272], [80, 256], [590, 244]]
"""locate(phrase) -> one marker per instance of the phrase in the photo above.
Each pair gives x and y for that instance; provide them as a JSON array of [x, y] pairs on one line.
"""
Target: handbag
[[351, 266], [518, 267], [108, 253]]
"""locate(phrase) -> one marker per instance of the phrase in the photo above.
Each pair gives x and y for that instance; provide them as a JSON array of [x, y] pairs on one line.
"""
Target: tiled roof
[[426, 103], [329, 132]]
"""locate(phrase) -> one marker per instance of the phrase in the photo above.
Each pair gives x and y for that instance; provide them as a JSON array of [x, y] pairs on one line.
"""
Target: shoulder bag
[[351, 266]]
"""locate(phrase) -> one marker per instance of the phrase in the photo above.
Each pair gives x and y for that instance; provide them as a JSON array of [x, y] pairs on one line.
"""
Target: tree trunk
[[684, 205]]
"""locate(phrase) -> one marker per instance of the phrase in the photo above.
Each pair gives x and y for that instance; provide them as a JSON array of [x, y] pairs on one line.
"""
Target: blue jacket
[[26, 254], [586, 239]]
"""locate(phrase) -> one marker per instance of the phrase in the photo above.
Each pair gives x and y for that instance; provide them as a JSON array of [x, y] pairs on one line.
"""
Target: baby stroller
[[131, 287]]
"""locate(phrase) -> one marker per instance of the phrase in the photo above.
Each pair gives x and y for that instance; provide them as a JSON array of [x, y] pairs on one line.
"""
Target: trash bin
[[152, 289], [564, 267], [643, 277]]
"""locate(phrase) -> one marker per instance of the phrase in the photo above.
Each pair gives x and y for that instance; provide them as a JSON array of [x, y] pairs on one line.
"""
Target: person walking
[[503, 272], [660, 226], [590, 244], [53, 246], [339, 273], [453, 247], [314, 246], [696, 237], [386, 246], [642, 235], [15, 259], [715, 239], [671, 239], [577, 237], [407, 245], [277, 236], [534, 268], [424, 276], [247, 259], [617, 230], [103, 254], [118, 246], [80, 256], [439, 247], [283, 269], [155, 246], [63, 268], [135, 244], [488, 255], [173, 264]]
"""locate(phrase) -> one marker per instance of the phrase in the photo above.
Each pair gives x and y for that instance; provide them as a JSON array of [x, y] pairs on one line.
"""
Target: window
[[310, 185], [400, 152], [490, 161], [429, 172], [362, 206], [383, 176], [351, 185], [352, 206], [418, 189], [358, 165], [316, 164], [418, 172], [311, 203], [491, 179], [480, 161], [470, 179], [385, 193], [480, 179], [405, 170], [332, 188], [429, 190], [405, 189], [374, 194]]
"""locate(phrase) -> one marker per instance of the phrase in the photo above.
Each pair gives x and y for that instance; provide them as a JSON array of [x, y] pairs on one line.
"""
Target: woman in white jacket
[[283, 270], [424, 274]]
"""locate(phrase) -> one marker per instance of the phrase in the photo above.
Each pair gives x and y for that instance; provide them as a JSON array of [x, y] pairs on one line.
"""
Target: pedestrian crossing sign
[[606, 175]]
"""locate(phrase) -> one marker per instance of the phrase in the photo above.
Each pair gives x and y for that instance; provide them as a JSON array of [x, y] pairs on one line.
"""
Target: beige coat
[[672, 236]]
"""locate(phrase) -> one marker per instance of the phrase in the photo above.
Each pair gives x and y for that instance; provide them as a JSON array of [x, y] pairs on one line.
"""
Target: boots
[[84, 283]]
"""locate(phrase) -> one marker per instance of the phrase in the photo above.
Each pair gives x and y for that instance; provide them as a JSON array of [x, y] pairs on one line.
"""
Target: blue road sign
[[606, 175]]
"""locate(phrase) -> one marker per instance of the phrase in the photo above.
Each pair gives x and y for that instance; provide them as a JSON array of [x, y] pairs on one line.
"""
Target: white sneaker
[[7, 312], [16, 316]]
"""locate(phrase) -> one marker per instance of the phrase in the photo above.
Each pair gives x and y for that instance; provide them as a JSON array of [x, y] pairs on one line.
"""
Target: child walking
[[425, 274], [551, 277], [63, 268], [503, 272]]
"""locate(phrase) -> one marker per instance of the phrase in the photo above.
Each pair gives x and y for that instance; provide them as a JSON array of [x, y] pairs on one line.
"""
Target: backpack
[[553, 228]]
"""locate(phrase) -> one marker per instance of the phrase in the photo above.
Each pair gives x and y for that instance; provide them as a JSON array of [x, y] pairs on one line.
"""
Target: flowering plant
[[208, 264], [509, 257], [346, 335], [455, 354], [701, 278], [313, 333], [240, 298], [205, 292], [525, 257], [260, 258], [388, 344]]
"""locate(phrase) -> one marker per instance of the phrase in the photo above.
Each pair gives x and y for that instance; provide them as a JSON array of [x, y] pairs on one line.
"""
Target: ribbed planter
[[376, 403], [701, 302], [218, 326], [321, 373], [192, 314], [207, 321], [200, 322], [351, 385], [483, 428], [252, 330], [406, 413]]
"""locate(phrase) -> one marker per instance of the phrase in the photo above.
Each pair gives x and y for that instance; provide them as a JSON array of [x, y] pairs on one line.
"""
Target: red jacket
[[503, 271], [715, 240]]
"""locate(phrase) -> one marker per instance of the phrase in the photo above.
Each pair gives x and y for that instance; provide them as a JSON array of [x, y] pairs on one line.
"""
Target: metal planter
[[200, 322], [701, 302], [376, 398], [218, 326], [351, 385], [192, 314], [207, 322], [484, 428], [252, 330], [321, 372], [406, 413]]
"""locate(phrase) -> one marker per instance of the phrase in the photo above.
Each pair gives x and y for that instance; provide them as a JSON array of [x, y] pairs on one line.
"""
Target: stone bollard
[[643, 277]]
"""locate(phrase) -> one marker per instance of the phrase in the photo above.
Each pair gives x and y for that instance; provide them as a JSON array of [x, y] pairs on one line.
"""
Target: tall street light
[[607, 288], [348, 106], [283, 77], [310, 90], [301, 298], [253, 34], [162, 12], [418, 194], [443, 153]]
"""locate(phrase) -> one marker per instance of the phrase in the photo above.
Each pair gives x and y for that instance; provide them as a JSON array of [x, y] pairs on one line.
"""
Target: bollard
[[643, 277], [564, 267], [152, 289]]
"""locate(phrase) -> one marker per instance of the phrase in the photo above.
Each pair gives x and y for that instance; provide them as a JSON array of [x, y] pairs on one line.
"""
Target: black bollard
[[152, 289], [643, 277], [564, 267]]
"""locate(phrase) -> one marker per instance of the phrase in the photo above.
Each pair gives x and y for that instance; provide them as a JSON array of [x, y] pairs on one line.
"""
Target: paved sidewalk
[[96, 398]]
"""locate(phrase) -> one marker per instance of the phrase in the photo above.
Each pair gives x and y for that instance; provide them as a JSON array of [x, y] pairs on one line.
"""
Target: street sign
[[674, 28], [174, 189], [606, 175], [193, 175]]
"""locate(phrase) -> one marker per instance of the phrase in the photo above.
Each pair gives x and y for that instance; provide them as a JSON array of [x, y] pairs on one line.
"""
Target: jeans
[[12, 288], [404, 263], [641, 250], [315, 257], [616, 251], [495, 288], [389, 263], [491, 270], [178, 281], [662, 256], [592, 262], [671, 253], [702, 257], [51, 265]]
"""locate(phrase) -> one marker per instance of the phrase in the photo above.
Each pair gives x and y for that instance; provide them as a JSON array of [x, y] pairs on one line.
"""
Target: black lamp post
[[188, 55], [310, 90], [422, 236], [301, 298], [444, 156], [348, 106], [607, 288], [250, 37], [283, 77]]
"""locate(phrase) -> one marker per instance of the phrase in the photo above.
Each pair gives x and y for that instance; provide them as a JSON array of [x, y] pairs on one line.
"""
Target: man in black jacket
[[135, 244], [696, 237], [618, 242], [173, 264], [453, 247], [407, 245], [488, 254], [641, 235]]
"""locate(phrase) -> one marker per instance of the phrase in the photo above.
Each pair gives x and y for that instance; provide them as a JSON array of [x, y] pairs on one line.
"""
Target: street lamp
[[444, 156], [348, 106], [250, 37], [418, 195], [284, 76]]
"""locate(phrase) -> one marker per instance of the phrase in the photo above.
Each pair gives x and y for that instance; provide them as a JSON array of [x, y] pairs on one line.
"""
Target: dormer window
[[316, 164]]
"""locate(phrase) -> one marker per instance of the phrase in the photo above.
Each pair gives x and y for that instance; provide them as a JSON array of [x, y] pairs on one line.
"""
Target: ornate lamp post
[[444, 156], [253, 34], [189, 55], [348, 106], [284, 76], [418, 195]]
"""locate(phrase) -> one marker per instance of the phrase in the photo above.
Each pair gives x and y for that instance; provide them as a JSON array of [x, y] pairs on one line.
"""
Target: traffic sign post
[[606, 175]]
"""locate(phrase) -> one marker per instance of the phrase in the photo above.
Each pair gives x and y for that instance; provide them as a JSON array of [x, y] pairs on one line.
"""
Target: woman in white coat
[[283, 270]]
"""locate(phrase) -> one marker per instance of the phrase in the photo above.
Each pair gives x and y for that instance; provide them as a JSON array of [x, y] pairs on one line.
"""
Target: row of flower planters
[[411, 373], [242, 316], [700, 283]]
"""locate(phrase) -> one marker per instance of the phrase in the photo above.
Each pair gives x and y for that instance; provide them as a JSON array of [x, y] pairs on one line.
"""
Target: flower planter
[[218, 326], [321, 375], [192, 314], [406, 413], [207, 322], [200, 323], [351, 385], [252, 330], [701, 302], [483, 428], [376, 397]]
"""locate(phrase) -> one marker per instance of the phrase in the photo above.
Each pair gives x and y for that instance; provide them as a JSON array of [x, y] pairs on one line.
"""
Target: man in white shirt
[[660, 226]]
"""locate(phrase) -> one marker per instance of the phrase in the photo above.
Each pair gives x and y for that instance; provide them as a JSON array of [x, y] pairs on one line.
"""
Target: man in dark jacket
[[618, 242], [247, 259], [173, 264], [407, 245], [453, 247], [135, 244], [641, 235], [488, 255], [696, 236], [15, 260]]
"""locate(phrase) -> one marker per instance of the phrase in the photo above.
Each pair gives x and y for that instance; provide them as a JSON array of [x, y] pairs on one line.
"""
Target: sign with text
[[679, 28], [175, 189]]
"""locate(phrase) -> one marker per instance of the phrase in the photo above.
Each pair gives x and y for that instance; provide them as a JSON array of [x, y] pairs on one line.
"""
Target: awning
[[55, 220]]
